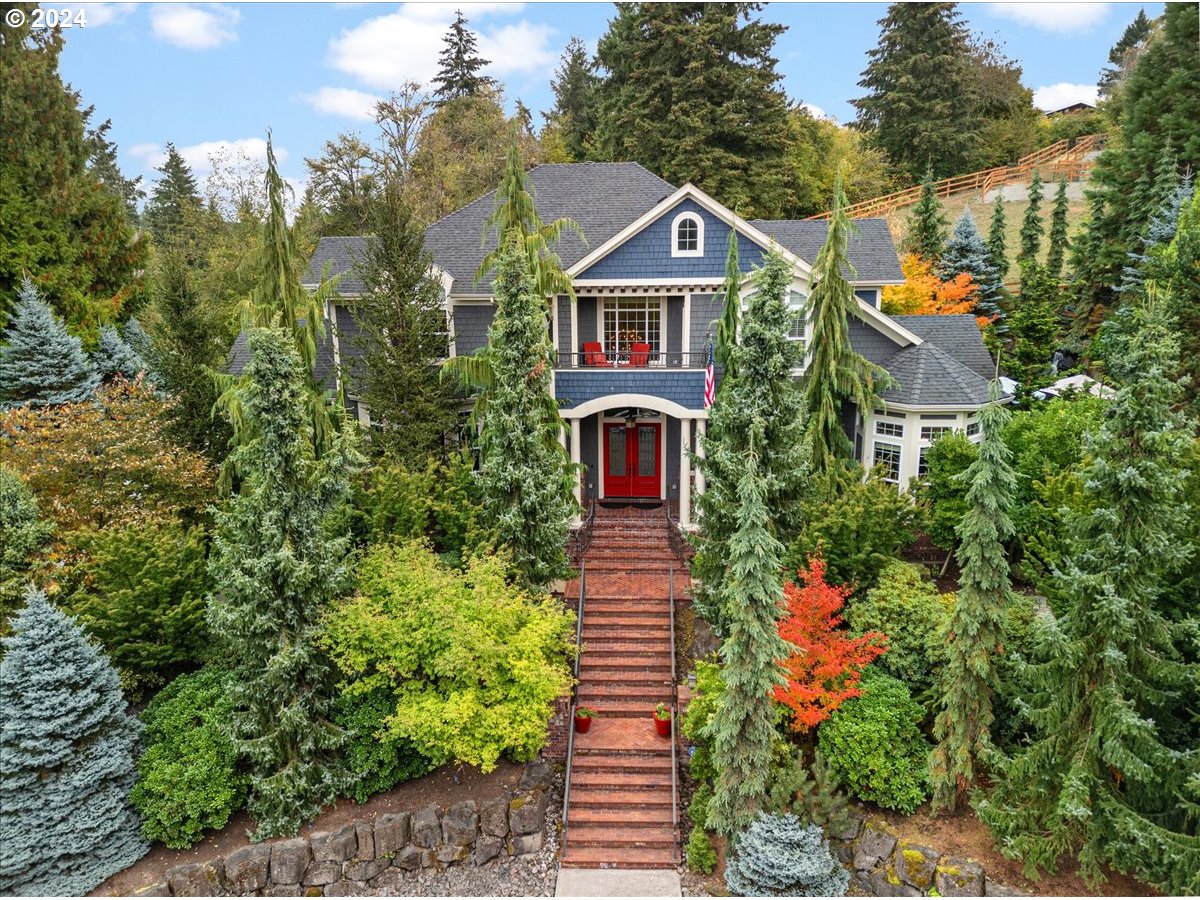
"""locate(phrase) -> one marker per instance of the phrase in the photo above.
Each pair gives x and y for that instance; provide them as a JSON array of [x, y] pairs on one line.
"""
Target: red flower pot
[[663, 726], [583, 723]]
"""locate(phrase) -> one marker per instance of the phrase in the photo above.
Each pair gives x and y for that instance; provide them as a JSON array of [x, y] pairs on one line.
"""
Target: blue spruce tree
[[115, 357], [66, 760], [41, 364], [967, 252]]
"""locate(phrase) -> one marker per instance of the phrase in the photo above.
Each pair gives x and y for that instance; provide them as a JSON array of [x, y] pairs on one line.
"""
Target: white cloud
[[815, 111], [99, 14], [335, 101], [1055, 96], [386, 51], [198, 156], [195, 27], [1064, 18]]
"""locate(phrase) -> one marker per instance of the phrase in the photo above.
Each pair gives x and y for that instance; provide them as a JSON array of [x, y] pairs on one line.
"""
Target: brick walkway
[[621, 813]]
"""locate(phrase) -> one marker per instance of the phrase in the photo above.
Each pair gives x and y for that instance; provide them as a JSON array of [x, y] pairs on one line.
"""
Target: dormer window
[[687, 235]]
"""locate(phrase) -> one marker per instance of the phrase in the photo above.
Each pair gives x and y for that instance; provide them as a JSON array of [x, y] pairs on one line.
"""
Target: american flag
[[710, 380]]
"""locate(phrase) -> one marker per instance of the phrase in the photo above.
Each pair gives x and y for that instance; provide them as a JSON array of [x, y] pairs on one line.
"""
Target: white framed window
[[933, 432], [922, 466], [887, 456], [798, 305], [889, 429], [632, 320], [687, 235]]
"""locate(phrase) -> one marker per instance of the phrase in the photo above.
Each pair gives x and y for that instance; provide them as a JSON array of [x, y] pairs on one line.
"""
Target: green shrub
[[698, 808], [377, 762], [701, 857], [473, 662], [873, 745], [188, 779], [778, 856], [812, 792], [22, 534], [709, 687], [906, 607], [944, 493], [857, 533]]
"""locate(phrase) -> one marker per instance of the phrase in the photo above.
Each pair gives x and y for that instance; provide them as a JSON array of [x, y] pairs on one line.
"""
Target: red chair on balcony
[[639, 355], [593, 354]]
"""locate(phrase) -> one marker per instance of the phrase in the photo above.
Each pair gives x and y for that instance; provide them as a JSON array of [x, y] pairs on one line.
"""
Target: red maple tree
[[828, 663]]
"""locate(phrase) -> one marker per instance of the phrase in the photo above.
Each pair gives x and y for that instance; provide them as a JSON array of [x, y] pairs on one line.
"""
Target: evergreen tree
[[115, 357], [742, 728], [727, 325], [174, 199], [459, 64], [757, 390], [401, 320], [277, 563], [1059, 243], [836, 374], [920, 107], [966, 253], [692, 93], [1033, 327], [1183, 275], [40, 363], [996, 242], [1124, 53], [22, 534], [974, 637], [1031, 225], [103, 166], [927, 224], [1098, 781], [67, 756], [574, 85], [525, 477]]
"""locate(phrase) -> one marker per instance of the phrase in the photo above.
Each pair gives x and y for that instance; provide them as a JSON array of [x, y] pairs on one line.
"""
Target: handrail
[[674, 714], [571, 721], [583, 534]]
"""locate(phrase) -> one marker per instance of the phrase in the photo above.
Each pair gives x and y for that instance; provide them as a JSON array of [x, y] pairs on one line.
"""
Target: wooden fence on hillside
[[1062, 160]]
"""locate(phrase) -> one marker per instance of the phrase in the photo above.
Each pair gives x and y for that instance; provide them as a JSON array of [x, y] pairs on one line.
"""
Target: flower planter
[[583, 722], [663, 726]]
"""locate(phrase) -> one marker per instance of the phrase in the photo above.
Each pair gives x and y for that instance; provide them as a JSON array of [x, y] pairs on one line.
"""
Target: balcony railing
[[596, 359]]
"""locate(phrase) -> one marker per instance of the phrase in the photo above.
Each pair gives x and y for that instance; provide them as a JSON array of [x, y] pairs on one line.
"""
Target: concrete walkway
[[618, 883]]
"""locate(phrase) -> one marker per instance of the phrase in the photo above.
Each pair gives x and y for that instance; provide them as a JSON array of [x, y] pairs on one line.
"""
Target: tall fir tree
[[525, 478], [174, 202], [996, 240], [1031, 224], [575, 84], [927, 224], [692, 93], [1123, 54], [757, 390], [1059, 242], [974, 637], [402, 335], [742, 728], [115, 357], [278, 562], [920, 106], [103, 165], [459, 64], [727, 325], [836, 374], [1033, 328], [1182, 260], [1097, 780], [966, 253], [67, 753], [41, 364]]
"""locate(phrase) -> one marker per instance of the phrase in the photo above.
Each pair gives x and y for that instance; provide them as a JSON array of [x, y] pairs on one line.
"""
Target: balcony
[[670, 375], [632, 360]]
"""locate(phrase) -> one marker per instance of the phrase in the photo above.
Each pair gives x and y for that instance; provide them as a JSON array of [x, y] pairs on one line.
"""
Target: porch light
[[630, 421]]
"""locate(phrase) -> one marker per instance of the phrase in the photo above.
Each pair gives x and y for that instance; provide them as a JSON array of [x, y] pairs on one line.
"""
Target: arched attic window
[[687, 235]]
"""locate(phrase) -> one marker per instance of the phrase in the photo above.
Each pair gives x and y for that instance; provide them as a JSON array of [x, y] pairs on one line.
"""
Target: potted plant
[[662, 720], [583, 719]]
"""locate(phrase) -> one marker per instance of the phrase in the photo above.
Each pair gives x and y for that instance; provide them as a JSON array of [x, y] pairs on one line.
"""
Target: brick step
[[646, 568], [624, 606], [625, 707], [595, 691], [625, 542], [606, 618], [589, 799], [595, 553], [651, 677], [623, 819], [632, 667], [630, 644], [619, 858], [596, 631], [605, 835], [620, 781], [592, 761]]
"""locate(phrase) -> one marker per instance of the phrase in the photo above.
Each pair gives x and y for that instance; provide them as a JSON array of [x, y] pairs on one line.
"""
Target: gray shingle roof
[[341, 254], [959, 336], [871, 251], [927, 375]]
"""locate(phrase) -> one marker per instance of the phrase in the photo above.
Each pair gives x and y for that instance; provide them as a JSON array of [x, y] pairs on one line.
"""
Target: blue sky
[[206, 74]]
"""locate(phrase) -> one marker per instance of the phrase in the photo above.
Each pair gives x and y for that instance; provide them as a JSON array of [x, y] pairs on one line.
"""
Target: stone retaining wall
[[882, 865], [363, 856]]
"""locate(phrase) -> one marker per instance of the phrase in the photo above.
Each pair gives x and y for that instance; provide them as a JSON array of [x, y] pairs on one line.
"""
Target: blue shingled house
[[632, 351]]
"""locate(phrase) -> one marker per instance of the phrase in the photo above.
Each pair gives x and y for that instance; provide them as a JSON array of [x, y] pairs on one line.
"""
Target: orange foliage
[[923, 293], [828, 664]]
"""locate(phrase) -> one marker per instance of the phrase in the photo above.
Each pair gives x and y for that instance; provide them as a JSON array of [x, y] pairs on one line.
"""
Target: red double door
[[632, 463]]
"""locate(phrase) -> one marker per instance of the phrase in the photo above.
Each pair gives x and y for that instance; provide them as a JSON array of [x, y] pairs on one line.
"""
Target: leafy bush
[[473, 662], [701, 857], [942, 490], [777, 856], [377, 762], [874, 746], [187, 777], [140, 590], [709, 687], [698, 808], [857, 533], [905, 606]]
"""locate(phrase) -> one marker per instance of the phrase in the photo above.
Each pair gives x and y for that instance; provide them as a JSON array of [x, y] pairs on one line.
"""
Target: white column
[[685, 473], [576, 428], [701, 431]]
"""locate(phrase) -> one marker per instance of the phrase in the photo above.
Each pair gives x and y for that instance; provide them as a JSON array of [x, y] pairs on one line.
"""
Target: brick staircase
[[621, 804]]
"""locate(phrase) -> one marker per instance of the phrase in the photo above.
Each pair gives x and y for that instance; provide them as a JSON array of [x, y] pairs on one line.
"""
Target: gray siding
[[589, 452], [685, 387], [706, 309], [870, 343], [648, 253], [674, 325], [672, 460], [587, 322], [471, 324], [565, 342]]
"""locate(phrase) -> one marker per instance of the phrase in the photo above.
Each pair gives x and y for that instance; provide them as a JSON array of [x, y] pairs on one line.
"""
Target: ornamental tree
[[67, 751], [41, 364], [1031, 225], [277, 563], [966, 253], [22, 534], [924, 293], [968, 680], [827, 664], [115, 357]]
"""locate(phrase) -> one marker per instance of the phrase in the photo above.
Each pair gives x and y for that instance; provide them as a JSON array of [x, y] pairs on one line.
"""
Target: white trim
[[685, 342], [576, 344], [644, 282], [662, 455], [554, 322], [471, 300], [601, 462], [643, 401], [679, 220]]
